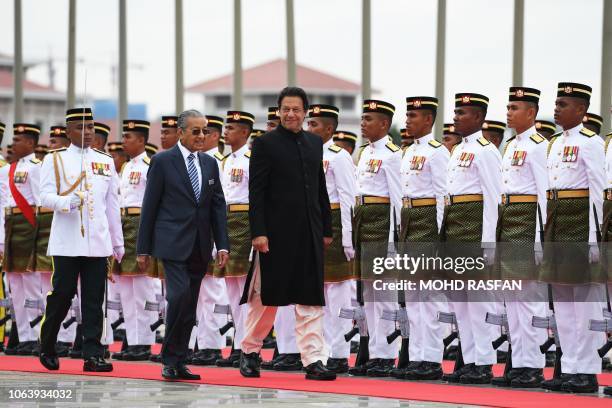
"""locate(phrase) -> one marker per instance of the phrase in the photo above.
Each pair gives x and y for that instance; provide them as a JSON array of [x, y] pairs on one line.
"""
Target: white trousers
[[284, 330], [64, 335], [235, 287], [337, 296], [579, 344], [25, 285], [378, 328], [426, 332], [475, 333], [134, 291], [212, 291]]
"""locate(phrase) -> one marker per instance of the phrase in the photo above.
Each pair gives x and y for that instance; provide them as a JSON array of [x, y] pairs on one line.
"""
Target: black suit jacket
[[171, 219]]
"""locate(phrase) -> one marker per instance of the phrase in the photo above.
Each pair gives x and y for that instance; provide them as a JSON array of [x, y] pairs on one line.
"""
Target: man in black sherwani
[[290, 221]]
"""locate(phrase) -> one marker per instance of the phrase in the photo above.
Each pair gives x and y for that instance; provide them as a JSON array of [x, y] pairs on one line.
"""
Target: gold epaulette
[[607, 141], [247, 154], [334, 148], [2, 163], [434, 143], [483, 141], [35, 161], [537, 138], [392, 146], [551, 141], [508, 144], [219, 156], [102, 152], [147, 160], [587, 132]]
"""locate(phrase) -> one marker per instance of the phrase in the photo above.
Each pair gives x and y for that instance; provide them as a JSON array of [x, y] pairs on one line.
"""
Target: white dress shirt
[[422, 171], [582, 169], [134, 181], [340, 182], [608, 162], [27, 179], [185, 152], [236, 176], [478, 173]]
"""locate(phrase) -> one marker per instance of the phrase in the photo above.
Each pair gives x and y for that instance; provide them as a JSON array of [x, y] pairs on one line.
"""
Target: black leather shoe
[[156, 358], [206, 357], [480, 374], [382, 369], [400, 373], [185, 374], [291, 362], [48, 361], [427, 370], [230, 360], [554, 384], [11, 351], [338, 365], [581, 383], [26, 348], [318, 371], [249, 364], [529, 378], [455, 376], [78, 354], [62, 348], [506, 380], [267, 365], [97, 364], [137, 353], [361, 370], [607, 390], [170, 373]]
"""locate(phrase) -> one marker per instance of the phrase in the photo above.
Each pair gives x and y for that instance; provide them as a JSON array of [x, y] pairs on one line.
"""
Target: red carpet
[[344, 385]]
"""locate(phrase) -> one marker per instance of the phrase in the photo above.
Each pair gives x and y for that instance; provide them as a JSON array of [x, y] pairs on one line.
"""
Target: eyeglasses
[[196, 132]]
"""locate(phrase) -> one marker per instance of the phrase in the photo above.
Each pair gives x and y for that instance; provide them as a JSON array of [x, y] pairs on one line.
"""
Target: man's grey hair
[[183, 116]]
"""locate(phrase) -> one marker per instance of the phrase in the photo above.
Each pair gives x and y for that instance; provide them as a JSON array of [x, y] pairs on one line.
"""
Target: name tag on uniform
[[417, 163], [236, 175], [20, 177], [134, 177], [373, 166], [466, 159], [100, 169], [518, 158], [570, 154], [325, 166]]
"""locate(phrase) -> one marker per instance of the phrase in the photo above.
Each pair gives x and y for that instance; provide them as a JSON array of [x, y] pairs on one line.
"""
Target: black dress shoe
[[230, 360], [26, 348], [455, 376], [170, 372], [97, 364], [137, 353], [427, 370], [317, 371], [185, 374], [480, 374], [156, 358], [62, 348], [11, 351], [581, 383], [362, 370], [382, 369], [529, 378], [206, 357], [249, 364], [268, 365], [48, 361], [400, 373], [291, 362], [77, 353], [338, 365], [554, 384], [607, 390], [506, 380]]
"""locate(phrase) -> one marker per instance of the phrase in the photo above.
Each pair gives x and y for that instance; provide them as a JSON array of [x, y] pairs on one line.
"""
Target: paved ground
[[118, 393]]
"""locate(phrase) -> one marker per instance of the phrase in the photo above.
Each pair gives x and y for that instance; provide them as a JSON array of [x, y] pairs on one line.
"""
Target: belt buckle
[[407, 202], [554, 194], [448, 200], [359, 200]]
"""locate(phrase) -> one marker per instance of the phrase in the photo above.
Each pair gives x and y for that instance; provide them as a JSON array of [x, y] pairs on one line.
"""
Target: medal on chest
[[236, 175], [466, 159], [134, 177], [325, 166], [100, 169], [373, 165], [518, 158], [570, 154], [20, 177], [417, 163]]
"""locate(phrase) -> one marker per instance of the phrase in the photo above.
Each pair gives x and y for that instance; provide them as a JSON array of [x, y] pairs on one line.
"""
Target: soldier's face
[[349, 147], [493, 137], [236, 135], [22, 145], [320, 128], [58, 142], [569, 112], [169, 137], [271, 125], [520, 116], [467, 120], [450, 140], [418, 123], [211, 139], [80, 133], [194, 134], [374, 126], [292, 113], [133, 143], [99, 142], [118, 159]]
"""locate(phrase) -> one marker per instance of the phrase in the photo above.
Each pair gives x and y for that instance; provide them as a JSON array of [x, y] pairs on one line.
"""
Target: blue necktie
[[193, 176]]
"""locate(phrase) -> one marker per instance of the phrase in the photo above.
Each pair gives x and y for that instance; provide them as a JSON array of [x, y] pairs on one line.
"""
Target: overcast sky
[[562, 43]]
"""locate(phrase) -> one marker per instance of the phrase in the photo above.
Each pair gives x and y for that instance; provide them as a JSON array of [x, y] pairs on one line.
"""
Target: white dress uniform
[[383, 183], [212, 291], [579, 344], [481, 176], [424, 181], [341, 188], [23, 285], [524, 172], [136, 289], [237, 192]]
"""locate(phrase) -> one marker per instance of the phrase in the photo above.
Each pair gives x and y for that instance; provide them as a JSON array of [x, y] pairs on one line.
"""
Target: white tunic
[[134, 181]]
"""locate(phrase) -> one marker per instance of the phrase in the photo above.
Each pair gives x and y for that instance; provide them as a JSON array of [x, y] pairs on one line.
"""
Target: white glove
[[118, 253], [349, 252], [75, 201]]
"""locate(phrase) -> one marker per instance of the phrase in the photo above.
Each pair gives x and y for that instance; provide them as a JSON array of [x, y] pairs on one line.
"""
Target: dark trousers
[[66, 272], [183, 280]]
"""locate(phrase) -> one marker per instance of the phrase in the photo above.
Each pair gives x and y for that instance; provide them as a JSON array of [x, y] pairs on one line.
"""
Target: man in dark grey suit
[[183, 213]]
